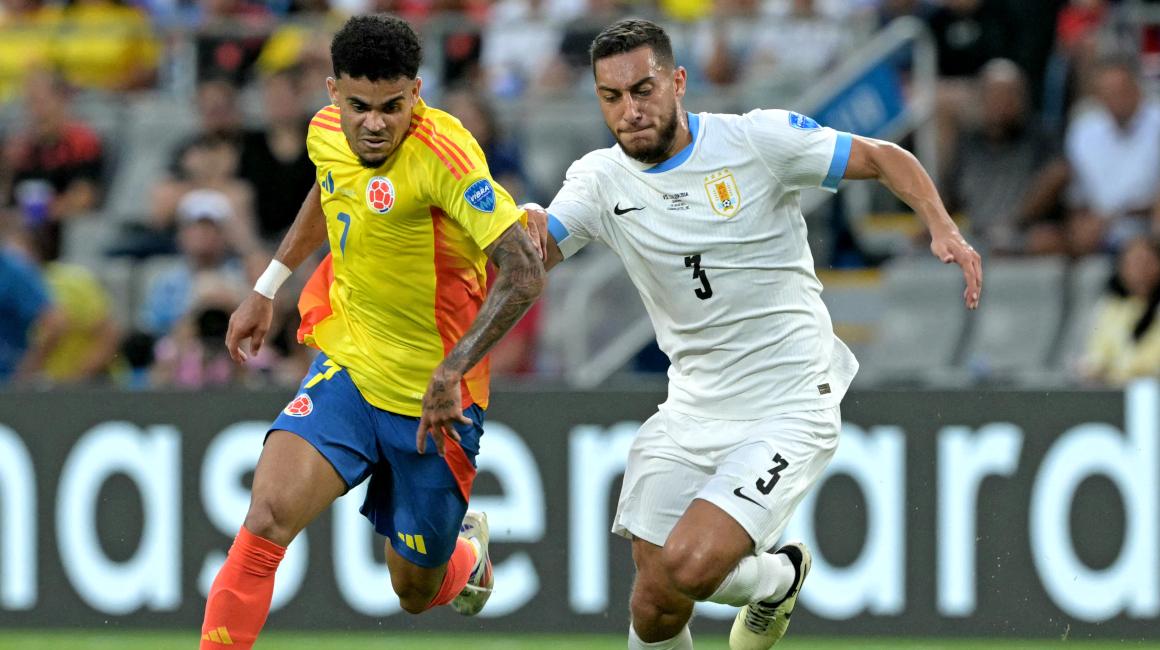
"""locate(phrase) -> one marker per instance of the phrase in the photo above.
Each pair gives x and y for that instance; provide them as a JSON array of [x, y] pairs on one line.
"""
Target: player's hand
[[949, 246], [442, 408], [251, 320], [538, 227]]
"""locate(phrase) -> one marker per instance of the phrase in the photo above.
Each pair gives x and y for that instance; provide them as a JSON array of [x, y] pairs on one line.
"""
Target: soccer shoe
[[759, 626], [479, 584]]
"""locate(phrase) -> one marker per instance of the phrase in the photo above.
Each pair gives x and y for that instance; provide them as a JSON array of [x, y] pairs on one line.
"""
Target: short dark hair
[[627, 35], [377, 48]]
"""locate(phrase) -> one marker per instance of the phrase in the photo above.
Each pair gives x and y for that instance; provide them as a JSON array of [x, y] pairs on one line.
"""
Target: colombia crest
[[380, 194]]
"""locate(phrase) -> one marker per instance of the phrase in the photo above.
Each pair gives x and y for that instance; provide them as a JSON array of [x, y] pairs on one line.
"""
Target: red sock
[[239, 600], [458, 571]]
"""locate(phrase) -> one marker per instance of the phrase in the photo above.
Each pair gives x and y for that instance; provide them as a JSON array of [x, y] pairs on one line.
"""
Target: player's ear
[[332, 90], [416, 88], [680, 80]]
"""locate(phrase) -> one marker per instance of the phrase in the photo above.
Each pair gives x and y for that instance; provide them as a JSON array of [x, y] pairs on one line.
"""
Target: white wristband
[[272, 278]]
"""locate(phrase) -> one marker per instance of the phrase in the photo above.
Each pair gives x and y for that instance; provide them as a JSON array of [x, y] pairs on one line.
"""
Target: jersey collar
[[683, 154]]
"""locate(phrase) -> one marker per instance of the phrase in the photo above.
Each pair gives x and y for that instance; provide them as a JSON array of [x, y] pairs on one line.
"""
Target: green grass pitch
[[109, 640]]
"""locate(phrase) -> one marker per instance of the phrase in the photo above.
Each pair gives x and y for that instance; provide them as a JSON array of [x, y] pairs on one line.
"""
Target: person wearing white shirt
[[703, 210], [1113, 151]]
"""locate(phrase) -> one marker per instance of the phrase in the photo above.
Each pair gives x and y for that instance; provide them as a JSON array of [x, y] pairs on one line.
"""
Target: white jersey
[[715, 242]]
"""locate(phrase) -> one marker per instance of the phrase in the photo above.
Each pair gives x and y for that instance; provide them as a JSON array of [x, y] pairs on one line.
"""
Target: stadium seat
[[921, 326], [1018, 321]]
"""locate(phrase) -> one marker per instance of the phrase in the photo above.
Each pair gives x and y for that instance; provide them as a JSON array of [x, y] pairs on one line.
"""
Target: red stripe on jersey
[[325, 125], [314, 302], [447, 145], [459, 293], [328, 117], [329, 109], [451, 168]]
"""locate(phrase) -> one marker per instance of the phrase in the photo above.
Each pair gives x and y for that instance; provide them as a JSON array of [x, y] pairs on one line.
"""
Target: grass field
[[105, 640]]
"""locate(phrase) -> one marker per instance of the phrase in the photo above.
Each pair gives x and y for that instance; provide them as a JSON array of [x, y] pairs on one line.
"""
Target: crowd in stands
[[1048, 143]]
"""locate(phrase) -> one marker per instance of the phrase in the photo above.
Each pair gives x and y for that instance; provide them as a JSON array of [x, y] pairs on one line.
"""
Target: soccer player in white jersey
[[704, 212]]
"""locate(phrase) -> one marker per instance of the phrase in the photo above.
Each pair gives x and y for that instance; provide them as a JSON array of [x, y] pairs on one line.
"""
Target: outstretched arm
[[518, 284], [251, 320], [902, 174]]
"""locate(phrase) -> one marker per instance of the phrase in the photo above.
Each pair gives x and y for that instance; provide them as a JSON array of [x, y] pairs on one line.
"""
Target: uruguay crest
[[723, 195]]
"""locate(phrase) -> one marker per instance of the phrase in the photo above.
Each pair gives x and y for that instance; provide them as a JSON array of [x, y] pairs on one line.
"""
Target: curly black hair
[[376, 48], [627, 35]]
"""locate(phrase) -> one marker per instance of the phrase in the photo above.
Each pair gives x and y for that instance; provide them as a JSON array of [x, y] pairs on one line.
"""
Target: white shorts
[[757, 471]]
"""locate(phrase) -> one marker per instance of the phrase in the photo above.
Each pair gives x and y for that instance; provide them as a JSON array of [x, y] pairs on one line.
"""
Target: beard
[[657, 153], [371, 164]]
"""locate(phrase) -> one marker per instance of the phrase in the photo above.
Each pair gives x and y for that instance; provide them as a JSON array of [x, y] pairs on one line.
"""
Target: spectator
[[194, 355], [25, 307], [802, 46], [517, 28], [105, 45], [230, 38], [724, 44], [25, 43], [968, 33], [1125, 340], [84, 335], [207, 238], [274, 160], [572, 62], [502, 153], [1113, 150], [52, 168], [209, 163], [1008, 174]]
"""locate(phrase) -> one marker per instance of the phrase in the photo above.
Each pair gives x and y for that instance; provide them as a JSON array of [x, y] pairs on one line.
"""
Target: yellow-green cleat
[[759, 626], [479, 585]]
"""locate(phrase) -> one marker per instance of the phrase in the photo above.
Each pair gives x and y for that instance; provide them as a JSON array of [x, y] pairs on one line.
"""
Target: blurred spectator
[[209, 230], [1114, 153], [1125, 339], [105, 45], [802, 45], [503, 156], [51, 168], [572, 62], [25, 308], [516, 29], [1008, 174], [25, 43], [230, 36], [724, 44], [968, 33], [194, 354], [209, 163], [274, 159], [1069, 71], [83, 335]]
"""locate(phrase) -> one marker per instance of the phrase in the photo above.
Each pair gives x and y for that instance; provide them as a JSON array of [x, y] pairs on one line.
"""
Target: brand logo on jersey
[[799, 121], [723, 195], [380, 194], [300, 406], [328, 184], [481, 196]]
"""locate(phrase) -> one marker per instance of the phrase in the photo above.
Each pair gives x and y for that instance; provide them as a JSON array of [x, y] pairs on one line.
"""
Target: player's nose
[[374, 122]]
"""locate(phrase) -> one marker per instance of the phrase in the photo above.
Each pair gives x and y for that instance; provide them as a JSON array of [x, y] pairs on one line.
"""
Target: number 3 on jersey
[[345, 219], [704, 292]]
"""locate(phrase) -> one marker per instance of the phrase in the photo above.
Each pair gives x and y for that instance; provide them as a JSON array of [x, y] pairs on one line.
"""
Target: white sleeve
[[574, 215], [796, 150]]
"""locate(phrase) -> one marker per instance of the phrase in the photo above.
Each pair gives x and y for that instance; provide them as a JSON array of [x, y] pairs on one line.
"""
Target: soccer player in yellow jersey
[[403, 319]]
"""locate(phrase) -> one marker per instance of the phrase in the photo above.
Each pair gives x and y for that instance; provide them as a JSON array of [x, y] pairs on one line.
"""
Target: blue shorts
[[416, 501]]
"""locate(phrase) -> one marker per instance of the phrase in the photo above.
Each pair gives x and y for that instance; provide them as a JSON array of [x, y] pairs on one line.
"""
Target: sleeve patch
[[799, 121], [481, 196]]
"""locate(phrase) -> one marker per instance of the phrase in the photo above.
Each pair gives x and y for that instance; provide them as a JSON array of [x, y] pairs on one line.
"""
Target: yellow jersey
[[406, 273]]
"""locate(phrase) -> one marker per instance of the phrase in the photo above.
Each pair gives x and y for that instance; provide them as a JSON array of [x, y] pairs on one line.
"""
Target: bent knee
[[414, 598], [693, 571], [267, 520]]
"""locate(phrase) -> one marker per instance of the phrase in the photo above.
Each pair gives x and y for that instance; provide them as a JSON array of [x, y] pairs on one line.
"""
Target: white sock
[[683, 641], [759, 578]]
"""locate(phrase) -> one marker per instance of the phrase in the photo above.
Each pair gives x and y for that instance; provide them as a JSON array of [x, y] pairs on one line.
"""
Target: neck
[[683, 136]]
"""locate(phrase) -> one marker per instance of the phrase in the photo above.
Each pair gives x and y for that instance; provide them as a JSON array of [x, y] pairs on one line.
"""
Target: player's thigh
[[417, 501], [760, 483], [661, 479], [320, 445]]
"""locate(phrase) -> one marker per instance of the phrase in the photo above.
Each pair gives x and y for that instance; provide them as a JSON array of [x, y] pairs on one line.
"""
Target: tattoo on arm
[[517, 286]]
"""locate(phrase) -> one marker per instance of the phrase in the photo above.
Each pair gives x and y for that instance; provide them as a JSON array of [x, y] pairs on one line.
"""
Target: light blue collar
[[683, 154]]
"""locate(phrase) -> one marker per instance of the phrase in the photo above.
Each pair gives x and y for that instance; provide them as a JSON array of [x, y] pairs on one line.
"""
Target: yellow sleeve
[[464, 189]]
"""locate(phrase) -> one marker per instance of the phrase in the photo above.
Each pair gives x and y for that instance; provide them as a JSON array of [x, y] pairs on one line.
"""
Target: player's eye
[[644, 92], [609, 98]]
